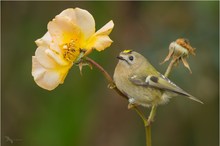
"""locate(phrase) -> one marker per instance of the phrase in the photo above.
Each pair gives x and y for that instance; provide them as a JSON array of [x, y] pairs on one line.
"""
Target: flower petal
[[85, 21], [63, 30], [99, 43], [43, 58], [49, 58], [102, 42], [47, 78], [37, 69], [82, 18], [55, 47], [45, 40], [185, 63], [56, 57], [106, 29]]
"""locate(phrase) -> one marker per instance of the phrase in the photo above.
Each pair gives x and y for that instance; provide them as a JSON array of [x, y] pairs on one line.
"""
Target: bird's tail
[[184, 93], [194, 98]]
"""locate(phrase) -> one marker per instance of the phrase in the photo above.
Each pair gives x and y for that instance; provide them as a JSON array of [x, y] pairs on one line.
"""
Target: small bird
[[135, 77]]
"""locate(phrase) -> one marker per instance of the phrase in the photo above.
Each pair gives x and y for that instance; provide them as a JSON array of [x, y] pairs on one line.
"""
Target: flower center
[[71, 51]]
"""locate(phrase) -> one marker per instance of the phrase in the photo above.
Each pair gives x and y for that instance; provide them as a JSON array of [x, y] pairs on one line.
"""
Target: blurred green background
[[83, 111]]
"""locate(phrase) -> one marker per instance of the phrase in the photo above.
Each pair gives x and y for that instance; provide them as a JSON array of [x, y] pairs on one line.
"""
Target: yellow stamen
[[71, 52]]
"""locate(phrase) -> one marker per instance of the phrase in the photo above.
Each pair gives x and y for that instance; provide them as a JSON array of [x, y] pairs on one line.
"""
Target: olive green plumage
[[142, 83]]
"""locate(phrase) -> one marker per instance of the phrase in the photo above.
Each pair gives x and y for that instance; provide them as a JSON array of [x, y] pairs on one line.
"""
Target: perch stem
[[148, 135]]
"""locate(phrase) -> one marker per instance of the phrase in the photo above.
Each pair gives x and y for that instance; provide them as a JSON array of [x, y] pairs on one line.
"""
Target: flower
[[179, 50], [71, 35]]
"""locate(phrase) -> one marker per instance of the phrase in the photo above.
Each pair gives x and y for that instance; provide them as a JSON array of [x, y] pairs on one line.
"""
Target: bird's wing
[[160, 82]]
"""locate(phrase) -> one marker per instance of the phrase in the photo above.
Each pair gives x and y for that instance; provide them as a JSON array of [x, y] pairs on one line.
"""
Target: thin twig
[[140, 113], [148, 135], [152, 114], [148, 125]]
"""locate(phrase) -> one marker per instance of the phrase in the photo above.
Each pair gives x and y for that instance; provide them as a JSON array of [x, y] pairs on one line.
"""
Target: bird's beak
[[121, 58]]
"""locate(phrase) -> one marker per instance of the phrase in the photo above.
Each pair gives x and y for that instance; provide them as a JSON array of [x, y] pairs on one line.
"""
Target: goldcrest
[[135, 77]]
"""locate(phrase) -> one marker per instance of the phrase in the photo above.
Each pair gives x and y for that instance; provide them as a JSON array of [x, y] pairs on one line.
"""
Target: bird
[[137, 79]]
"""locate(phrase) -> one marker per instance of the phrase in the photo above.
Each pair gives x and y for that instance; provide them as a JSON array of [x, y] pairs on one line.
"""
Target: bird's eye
[[131, 58]]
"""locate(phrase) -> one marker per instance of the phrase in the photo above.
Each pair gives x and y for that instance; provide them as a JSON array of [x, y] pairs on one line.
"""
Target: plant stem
[[140, 113], [148, 135], [152, 114], [147, 125]]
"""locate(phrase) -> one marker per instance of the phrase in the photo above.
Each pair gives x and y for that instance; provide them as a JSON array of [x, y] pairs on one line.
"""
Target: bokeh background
[[84, 111]]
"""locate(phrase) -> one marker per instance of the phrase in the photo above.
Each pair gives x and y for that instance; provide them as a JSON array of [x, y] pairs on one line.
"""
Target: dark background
[[83, 111]]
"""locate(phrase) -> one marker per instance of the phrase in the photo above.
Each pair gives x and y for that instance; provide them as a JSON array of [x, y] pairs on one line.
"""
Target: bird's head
[[131, 59]]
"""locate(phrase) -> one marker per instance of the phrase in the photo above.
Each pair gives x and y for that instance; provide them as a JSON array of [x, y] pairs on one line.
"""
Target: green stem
[[140, 113], [152, 114], [148, 135], [148, 125]]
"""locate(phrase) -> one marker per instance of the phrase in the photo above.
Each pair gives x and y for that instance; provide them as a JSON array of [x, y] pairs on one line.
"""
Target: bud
[[179, 50]]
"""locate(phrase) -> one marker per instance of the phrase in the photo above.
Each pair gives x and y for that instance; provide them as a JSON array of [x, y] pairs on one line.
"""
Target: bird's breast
[[142, 95]]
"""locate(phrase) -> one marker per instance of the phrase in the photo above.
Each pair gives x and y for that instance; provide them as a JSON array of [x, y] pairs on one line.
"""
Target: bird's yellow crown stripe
[[127, 51]]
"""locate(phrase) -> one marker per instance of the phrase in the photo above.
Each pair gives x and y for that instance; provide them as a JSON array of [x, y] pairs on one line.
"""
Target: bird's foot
[[131, 103], [130, 106]]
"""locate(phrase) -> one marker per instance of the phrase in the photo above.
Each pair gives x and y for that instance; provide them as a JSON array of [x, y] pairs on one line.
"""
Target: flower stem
[[140, 113], [148, 135], [147, 125], [152, 114]]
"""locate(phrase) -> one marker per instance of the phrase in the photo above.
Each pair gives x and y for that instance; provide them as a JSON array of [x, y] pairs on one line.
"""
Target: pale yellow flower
[[71, 35]]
